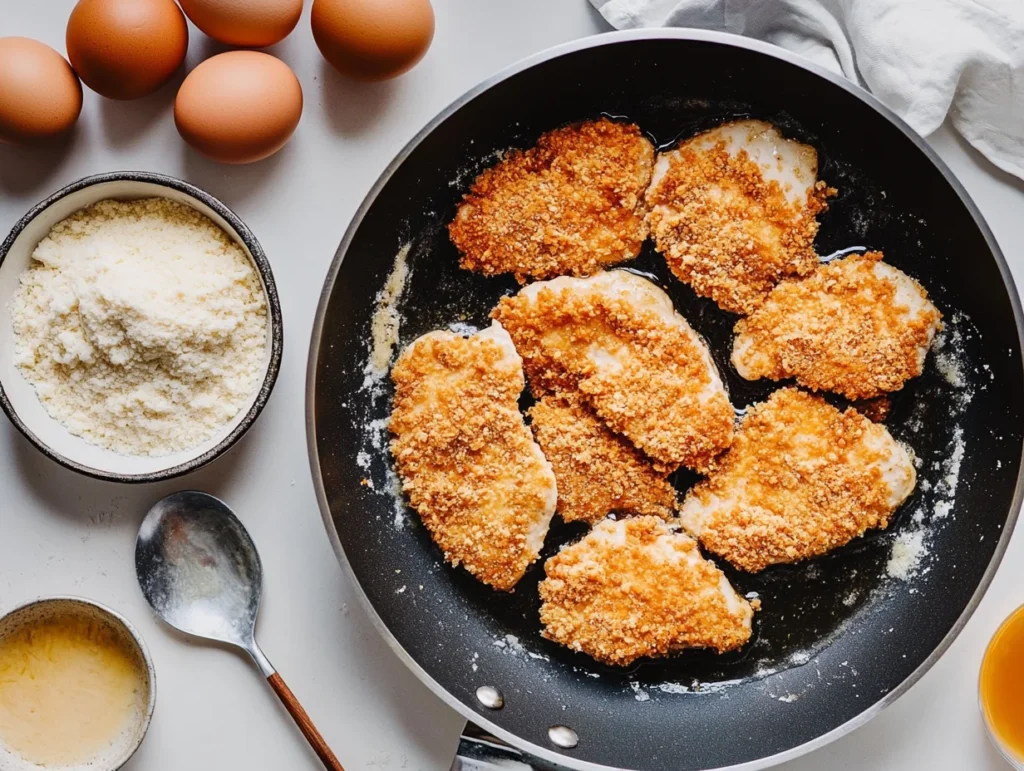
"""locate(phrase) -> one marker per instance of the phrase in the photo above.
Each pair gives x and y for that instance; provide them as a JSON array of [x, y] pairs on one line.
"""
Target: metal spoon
[[200, 571]]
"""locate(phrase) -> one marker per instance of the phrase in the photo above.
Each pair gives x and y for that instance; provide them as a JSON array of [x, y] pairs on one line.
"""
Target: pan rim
[[594, 41]]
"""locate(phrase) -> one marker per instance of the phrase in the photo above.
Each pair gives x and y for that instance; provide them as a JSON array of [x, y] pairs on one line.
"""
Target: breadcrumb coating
[[570, 205], [598, 472], [801, 479], [856, 326], [733, 210], [616, 339], [466, 458], [635, 588]]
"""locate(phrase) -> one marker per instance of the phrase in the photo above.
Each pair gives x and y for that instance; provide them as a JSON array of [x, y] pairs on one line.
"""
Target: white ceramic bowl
[[125, 745], [17, 396]]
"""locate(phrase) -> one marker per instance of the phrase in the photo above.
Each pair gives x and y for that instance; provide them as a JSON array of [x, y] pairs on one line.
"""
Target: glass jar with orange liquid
[[1001, 689]]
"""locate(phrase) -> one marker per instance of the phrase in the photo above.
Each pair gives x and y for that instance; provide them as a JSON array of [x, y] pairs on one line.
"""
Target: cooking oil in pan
[[1001, 688]]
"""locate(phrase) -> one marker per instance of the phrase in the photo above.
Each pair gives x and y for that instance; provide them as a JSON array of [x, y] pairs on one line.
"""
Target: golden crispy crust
[[615, 338], [840, 329], [570, 205], [801, 479], [598, 472], [634, 588], [726, 230], [466, 458]]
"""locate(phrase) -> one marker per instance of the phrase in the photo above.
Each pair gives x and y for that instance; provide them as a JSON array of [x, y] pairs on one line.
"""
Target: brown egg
[[40, 96], [249, 23], [124, 49], [373, 39], [239, 107]]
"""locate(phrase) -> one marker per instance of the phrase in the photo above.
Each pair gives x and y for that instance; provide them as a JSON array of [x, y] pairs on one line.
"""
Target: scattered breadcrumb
[[467, 459], [598, 472], [801, 479], [616, 338], [949, 357], [635, 588], [906, 554], [912, 547], [570, 205], [856, 326], [387, 321], [733, 210]]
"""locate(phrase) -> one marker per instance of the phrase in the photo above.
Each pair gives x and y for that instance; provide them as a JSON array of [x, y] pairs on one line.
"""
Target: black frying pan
[[838, 638]]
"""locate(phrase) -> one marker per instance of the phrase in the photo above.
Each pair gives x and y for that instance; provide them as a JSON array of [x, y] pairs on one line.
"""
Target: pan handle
[[480, 750]]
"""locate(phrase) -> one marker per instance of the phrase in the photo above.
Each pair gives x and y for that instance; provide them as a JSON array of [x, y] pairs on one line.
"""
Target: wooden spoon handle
[[316, 741]]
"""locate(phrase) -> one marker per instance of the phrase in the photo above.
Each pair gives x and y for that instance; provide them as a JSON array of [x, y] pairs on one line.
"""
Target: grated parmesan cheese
[[141, 325]]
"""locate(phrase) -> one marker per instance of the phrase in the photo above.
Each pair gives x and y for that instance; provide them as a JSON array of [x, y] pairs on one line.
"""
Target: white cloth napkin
[[923, 58]]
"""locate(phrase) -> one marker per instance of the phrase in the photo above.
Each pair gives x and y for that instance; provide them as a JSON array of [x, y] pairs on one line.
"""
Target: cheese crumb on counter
[[142, 326]]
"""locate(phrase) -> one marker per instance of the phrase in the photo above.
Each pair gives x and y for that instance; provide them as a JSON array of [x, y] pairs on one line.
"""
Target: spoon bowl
[[200, 571]]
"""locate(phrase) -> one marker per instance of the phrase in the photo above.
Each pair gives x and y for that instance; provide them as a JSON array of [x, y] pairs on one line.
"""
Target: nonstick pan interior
[[837, 637]]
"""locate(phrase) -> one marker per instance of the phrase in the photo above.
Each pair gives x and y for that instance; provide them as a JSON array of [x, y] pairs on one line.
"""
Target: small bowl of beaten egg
[[1000, 688], [140, 327], [77, 687]]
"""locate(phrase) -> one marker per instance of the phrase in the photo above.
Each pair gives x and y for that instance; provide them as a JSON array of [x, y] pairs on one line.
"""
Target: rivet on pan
[[563, 736], [490, 697]]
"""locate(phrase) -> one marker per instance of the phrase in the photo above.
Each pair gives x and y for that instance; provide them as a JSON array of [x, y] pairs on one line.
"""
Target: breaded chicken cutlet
[[616, 339], [801, 479], [466, 458], [570, 205], [634, 588], [597, 471], [856, 326], [733, 210]]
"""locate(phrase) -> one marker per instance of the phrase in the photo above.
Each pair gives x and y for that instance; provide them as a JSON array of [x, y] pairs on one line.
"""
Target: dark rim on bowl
[[259, 258], [545, 753], [133, 633]]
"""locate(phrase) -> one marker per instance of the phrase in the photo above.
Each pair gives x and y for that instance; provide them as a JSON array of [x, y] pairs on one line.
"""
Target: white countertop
[[64, 534]]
